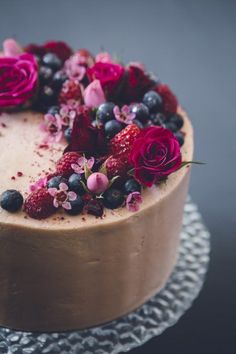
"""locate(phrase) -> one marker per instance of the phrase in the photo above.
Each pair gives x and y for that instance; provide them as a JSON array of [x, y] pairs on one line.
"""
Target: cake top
[[117, 128]]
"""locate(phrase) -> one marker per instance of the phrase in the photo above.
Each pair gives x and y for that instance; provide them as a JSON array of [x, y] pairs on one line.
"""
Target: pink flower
[[11, 48], [155, 154], [38, 184], [94, 95], [109, 75], [76, 65], [133, 201], [62, 197], [97, 183], [81, 163], [67, 115], [103, 57], [124, 115], [52, 125], [18, 79]]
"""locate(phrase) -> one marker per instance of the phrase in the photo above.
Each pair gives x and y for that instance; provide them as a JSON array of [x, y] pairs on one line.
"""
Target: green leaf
[[84, 186], [184, 163], [103, 169], [87, 171], [113, 180]]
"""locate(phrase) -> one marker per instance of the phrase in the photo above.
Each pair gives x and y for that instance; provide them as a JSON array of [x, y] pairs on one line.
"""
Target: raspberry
[[71, 91], [120, 146], [39, 204], [64, 164], [170, 102], [115, 167]]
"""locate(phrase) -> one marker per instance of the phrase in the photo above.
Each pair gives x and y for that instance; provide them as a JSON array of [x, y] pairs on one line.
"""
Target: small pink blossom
[[52, 125], [74, 67], [124, 115], [38, 184], [62, 197], [67, 115], [133, 201], [11, 48], [81, 163], [103, 57], [94, 95], [97, 183]]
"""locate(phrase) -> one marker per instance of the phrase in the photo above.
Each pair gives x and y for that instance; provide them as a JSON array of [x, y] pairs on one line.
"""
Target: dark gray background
[[191, 46]]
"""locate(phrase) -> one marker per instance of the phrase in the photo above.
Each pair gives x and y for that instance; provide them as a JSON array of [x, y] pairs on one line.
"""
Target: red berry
[[121, 145], [169, 100], [71, 90], [39, 204], [115, 167], [64, 164]]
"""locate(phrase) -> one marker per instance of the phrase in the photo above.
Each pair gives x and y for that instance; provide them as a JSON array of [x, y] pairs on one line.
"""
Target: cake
[[95, 165]]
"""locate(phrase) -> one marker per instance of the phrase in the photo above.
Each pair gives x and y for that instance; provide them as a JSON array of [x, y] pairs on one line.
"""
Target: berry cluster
[[122, 129]]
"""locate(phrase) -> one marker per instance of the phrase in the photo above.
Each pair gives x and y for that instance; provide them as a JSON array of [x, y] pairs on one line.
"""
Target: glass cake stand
[[150, 320]]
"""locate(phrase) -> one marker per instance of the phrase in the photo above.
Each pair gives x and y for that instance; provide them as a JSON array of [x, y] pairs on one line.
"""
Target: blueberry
[[177, 120], [95, 207], [76, 206], [11, 200], [158, 119], [45, 74], [138, 123], [131, 185], [48, 95], [55, 181], [67, 134], [53, 110], [58, 79], [171, 126], [52, 61], [105, 112], [112, 127], [74, 183], [113, 198], [180, 137], [141, 112], [153, 101]]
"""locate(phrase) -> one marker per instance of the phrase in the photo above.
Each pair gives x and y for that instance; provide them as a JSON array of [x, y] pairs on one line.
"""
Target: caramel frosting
[[68, 272]]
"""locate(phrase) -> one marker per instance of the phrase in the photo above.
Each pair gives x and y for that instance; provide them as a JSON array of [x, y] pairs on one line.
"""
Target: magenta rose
[[109, 75], [18, 79], [154, 155]]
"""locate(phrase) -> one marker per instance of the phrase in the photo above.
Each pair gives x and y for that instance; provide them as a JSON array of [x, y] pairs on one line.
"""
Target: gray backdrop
[[191, 46]]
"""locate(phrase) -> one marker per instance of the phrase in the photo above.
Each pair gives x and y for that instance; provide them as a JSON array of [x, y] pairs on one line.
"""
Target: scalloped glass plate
[[150, 320]]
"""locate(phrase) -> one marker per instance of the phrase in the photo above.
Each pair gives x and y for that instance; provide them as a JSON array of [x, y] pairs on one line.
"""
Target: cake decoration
[[119, 127]]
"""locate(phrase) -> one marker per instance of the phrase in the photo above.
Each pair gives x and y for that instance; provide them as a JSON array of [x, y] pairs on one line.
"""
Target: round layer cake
[[61, 274], [65, 272]]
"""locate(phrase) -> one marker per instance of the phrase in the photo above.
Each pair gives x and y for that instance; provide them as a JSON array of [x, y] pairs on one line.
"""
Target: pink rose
[[154, 155], [109, 75], [103, 57], [18, 79], [94, 95]]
